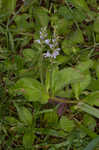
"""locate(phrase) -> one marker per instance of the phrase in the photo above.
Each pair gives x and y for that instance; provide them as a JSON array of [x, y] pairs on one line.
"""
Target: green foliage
[[84, 65], [27, 140], [51, 118], [24, 115], [80, 4], [65, 76], [66, 124], [41, 16], [11, 120], [81, 85], [49, 74], [8, 6], [89, 109], [22, 23], [96, 25], [93, 98], [89, 122], [32, 90], [92, 144], [29, 55]]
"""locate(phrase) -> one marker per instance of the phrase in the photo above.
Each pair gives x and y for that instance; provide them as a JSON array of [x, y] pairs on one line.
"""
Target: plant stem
[[40, 65], [64, 101], [41, 69], [51, 72]]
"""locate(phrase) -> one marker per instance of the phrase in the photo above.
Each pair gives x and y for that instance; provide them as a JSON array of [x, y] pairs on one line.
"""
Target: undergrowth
[[49, 74]]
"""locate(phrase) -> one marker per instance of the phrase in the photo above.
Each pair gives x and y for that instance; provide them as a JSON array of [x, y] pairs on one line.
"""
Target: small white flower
[[41, 37], [43, 33], [58, 49], [47, 41], [40, 33], [51, 46], [54, 54], [47, 54], [54, 40], [38, 41]]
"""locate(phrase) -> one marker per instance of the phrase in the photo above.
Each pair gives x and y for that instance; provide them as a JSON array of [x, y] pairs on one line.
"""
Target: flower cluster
[[43, 35], [51, 43]]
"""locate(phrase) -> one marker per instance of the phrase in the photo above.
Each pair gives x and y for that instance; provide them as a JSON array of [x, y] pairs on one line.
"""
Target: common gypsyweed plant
[[49, 51], [50, 98]]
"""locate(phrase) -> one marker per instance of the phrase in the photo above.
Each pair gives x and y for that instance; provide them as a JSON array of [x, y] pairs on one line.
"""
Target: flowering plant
[[53, 46]]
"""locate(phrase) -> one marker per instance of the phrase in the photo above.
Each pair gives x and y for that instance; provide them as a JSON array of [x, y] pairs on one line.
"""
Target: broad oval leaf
[[11, 120], [32, 90], [24, 115], [64, 77]]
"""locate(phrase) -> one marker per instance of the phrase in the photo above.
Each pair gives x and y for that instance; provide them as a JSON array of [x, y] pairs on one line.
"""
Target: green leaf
[[79, 15], [8, 5], [69, 44], [92, 3], [62, 26], [76, 37], [22, 23], [65, 93], [51, 118], [62, 59], [93, 98], [24, 115], [80, 4], [63, 11], [97, 37], [94, 85], [84, 65], [92, 144], [88, 109], [32, 90], [97, 70], [81, 85], [29, 54], [28, 140], [86, 130], [11, 120], [89, 121], [11, 41], [66, 47], [96, 25], [66, 124], [64, 77], [50, 132], [47, 81], [41, 16]]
